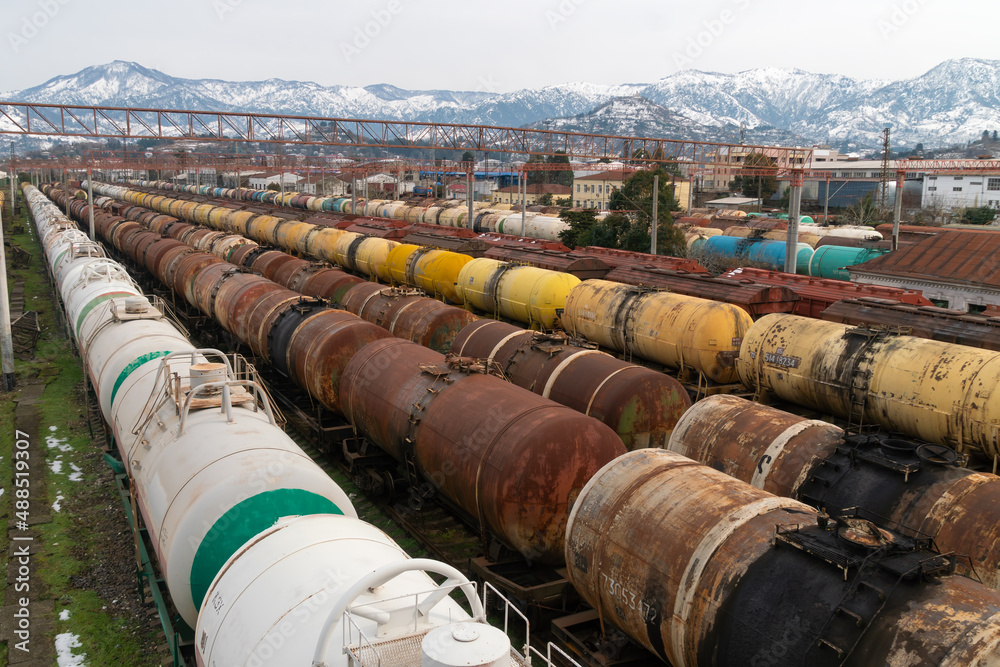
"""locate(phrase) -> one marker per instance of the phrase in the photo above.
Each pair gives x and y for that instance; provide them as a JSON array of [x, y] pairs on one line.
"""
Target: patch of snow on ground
[[65, 643], [53, 441], [56, 506], [64, 615], [55, 465], [77, 474], [52, 428]]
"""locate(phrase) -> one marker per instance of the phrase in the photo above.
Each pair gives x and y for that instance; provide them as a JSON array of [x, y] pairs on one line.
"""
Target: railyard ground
[[83, 558]]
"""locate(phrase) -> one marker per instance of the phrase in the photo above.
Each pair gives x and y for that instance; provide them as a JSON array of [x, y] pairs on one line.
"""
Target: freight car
[[680, 332], [949, 326], [640, 404], [526, 294], [770, 253], [407, 399], [226, 518], [748, 578], [937, 392], [818, 294], [917, 487], [757, 299]]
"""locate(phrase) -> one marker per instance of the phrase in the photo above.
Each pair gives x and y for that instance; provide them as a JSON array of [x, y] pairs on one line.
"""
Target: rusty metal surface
[[322, 346], [408, 315], [656, 543], [959, 256], [616, 258], [329, 284], [757, 299], [164, 254], [157, 253], [934, 391], [237, 255], [516, 464], [236, 294], [639, 404], [818, 294], [757, 444], [285, 274], [185, 271], [949, 326], [255, 327], [200, 287], [269, 263]]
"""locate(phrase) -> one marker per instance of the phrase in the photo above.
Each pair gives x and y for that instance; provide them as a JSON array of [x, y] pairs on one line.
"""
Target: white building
[[261, 181], [962, 190]]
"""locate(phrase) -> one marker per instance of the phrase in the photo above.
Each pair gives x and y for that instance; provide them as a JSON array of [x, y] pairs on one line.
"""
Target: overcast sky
[[494, 46]]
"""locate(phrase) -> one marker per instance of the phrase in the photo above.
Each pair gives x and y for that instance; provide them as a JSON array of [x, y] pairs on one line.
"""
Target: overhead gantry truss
[[99, 122]]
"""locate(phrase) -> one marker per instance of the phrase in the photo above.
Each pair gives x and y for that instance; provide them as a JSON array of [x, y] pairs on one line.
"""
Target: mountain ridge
[[952, 102]]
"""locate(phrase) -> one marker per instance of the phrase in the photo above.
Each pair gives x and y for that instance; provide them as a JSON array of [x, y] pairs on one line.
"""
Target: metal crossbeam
[[135, 123]]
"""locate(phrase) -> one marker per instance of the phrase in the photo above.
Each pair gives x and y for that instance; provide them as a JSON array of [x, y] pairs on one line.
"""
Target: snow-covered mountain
[[952, 103], [637, 116]]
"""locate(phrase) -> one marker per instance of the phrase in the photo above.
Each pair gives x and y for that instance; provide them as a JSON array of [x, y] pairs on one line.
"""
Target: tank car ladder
[[861, 377]]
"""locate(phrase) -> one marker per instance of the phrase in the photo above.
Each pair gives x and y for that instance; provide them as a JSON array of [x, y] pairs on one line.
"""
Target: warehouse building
[[956, 269], [960, 190], [504, 195]]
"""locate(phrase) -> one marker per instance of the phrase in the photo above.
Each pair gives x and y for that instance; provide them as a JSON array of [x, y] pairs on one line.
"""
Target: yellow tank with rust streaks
[[436, 272], [674, 330], [201, 213], [474, 288], [526, 294], [535, 296], [372, 257], [344, 250], [291, 236], [322, 243], [398, 261], [261, 228], [935, 391]]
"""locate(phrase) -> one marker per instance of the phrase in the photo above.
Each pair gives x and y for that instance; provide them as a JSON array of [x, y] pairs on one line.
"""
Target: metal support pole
[[90, 200], [6, 339], [897, 212], [524, 198], [826, 205], [354, 199], [65, 192], [468, 186], [795, 208], [690, 194], [656, 220]]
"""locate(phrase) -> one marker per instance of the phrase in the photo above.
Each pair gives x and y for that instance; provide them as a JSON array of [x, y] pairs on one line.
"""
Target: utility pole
[[897, 212], [13, 175], [884, 179], [656, 205], [795, 209], [469, 179], [6, 340], [90, 200]]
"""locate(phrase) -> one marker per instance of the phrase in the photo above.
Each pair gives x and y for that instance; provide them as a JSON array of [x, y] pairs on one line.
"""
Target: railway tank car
[[915, 486], [938, 392], [485, 463], [748, 578], [276, 547], [671, 329], [639, 404]]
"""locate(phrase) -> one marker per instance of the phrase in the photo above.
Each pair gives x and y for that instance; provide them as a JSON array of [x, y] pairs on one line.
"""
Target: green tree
[[979, 215], [759, 186], [468, 156], [581, 226], [545, 199], [273, 187], [636, 194], [555, 176]]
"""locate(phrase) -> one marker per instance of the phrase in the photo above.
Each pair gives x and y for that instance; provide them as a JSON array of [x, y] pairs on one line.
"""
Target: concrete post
[[90, 200], [6, 338], [655, 223], [897, 212], [795, 210]]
